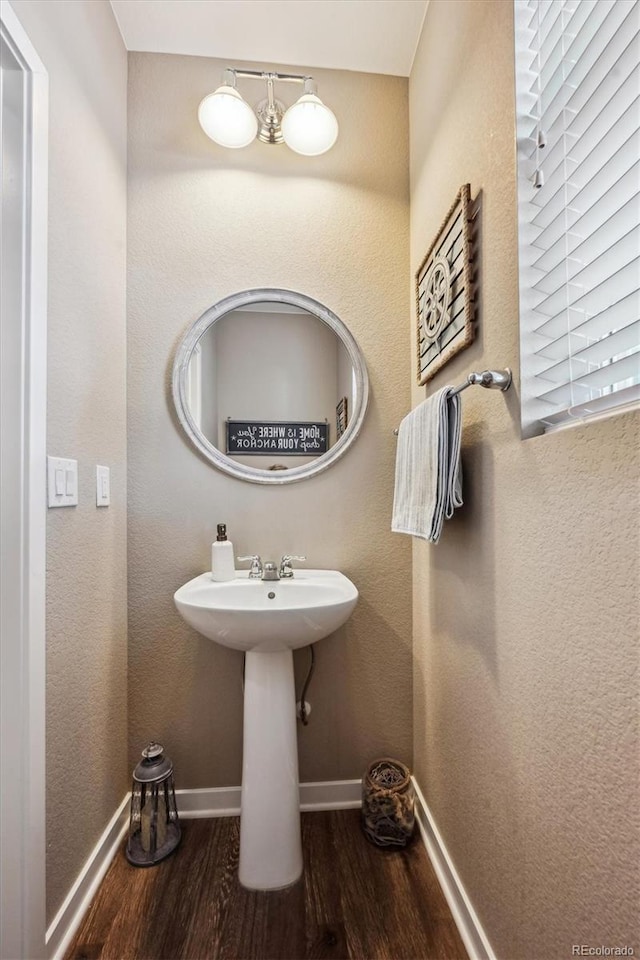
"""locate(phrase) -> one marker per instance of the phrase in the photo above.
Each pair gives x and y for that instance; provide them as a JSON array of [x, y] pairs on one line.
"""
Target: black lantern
[[154, 828]]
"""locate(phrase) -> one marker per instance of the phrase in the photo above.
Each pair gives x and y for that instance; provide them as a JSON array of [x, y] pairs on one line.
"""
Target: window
[[578, 129]]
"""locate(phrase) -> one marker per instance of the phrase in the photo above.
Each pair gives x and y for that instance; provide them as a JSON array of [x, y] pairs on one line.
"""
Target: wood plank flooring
[[354, 902]]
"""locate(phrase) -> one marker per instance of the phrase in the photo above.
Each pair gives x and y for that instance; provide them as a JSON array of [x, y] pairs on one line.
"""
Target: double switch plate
[[62, 483]]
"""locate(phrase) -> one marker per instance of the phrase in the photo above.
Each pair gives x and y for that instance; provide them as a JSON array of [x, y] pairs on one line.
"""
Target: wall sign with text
[[265, 437]]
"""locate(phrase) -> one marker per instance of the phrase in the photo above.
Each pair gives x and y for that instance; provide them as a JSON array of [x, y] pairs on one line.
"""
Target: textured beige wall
[[87, 774], [203, 223], [526, 613]]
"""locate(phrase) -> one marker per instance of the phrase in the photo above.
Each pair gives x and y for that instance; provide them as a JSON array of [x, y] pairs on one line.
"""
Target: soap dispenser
[[222, 562]]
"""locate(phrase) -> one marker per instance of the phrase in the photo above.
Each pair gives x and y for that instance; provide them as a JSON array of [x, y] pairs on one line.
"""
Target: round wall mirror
[[270, 386]]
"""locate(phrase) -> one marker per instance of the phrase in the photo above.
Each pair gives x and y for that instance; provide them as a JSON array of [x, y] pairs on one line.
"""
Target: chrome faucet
[[270, 571], [286, 568], [255, 570]]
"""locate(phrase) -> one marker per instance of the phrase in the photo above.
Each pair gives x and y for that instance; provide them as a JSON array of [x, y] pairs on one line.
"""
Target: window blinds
[[578, 127]]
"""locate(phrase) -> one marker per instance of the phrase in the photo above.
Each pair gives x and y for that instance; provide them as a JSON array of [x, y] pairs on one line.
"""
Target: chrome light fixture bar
[[308, 127]]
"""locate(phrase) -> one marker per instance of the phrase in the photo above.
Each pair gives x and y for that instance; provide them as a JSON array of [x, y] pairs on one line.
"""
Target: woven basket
[[387, 803]]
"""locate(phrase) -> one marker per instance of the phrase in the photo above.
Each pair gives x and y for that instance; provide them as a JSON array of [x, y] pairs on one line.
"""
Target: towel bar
[[492, 379]]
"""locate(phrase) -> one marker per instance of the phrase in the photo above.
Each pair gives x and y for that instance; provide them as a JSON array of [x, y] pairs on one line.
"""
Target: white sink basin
[[268, 615]]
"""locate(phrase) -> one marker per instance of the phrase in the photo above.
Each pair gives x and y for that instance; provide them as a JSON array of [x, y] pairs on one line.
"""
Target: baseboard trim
[[225, 801], [331, 795], [469, 927], [70, 914], [208, 802]]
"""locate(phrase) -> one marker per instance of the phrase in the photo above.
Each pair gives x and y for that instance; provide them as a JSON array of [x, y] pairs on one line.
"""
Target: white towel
[[428, 474]]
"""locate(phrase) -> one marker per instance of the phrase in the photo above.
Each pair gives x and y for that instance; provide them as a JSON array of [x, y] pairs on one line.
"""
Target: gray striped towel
[[428, 484]]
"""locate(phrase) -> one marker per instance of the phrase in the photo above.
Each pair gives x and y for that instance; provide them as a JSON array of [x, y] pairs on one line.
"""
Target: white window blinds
[[578, 128]]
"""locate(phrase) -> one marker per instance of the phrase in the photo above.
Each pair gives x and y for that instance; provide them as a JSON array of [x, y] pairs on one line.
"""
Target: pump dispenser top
[[222, 562]]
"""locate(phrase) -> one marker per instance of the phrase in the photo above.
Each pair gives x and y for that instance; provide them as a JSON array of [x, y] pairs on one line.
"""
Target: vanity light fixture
[[308, 127]]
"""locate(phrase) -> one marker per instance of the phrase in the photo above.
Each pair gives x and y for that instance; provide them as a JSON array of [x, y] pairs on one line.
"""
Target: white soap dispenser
[[222, 563]]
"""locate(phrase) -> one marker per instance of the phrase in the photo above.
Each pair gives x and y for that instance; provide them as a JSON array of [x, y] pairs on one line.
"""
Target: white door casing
[[23, 330]]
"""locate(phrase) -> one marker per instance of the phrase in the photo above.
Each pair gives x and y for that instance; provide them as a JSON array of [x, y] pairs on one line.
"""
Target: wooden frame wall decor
[[341, 417], [444, 296]]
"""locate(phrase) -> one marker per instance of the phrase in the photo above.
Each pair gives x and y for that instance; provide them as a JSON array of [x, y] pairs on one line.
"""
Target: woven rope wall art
[[444, 296]]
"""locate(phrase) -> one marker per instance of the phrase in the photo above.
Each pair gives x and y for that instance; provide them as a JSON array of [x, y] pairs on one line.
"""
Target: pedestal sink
[[268, 619]]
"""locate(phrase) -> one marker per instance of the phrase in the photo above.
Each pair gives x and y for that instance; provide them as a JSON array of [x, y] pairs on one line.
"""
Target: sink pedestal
[[270, 845]]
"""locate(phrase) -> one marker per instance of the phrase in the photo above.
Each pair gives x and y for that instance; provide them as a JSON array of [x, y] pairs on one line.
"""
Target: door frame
[[22, 620]]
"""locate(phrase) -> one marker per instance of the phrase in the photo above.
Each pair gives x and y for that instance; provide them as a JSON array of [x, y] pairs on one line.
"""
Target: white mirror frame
[[206, 448]]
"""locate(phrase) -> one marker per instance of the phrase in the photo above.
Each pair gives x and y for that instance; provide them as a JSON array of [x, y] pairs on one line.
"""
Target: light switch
[[103, 487], [62, 482], [70, 477]]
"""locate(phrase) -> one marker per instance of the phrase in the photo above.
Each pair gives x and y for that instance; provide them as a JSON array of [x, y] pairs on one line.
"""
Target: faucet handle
[[286, 568], [255, 570]]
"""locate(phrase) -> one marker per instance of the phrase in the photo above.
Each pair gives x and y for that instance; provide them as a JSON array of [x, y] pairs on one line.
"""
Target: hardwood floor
[[354, 902]]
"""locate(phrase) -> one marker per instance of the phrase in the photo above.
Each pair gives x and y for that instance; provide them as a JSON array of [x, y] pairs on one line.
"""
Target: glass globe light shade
[[227, 118], [309, 127]]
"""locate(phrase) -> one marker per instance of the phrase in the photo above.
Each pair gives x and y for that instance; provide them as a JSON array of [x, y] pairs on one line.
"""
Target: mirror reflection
[[270, 385]]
